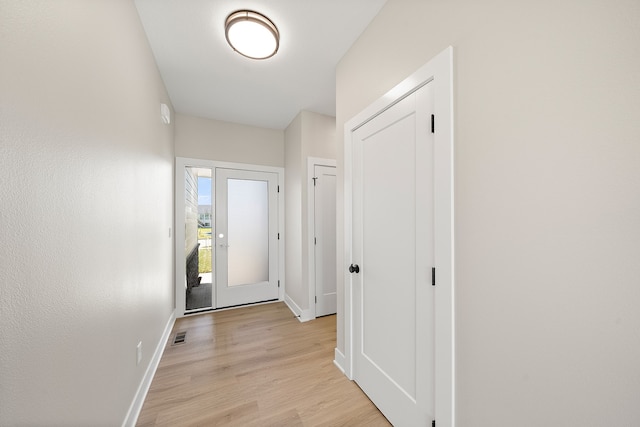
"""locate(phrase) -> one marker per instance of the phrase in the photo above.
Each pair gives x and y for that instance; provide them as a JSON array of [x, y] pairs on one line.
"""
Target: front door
[[246, 237], [393, 247]]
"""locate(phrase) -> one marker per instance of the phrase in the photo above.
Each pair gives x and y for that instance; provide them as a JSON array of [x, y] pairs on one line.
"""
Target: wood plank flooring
[[255, 366]]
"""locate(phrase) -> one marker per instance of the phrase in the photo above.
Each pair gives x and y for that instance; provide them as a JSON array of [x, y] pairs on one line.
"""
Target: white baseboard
[[136, 406], [297, 311], [306, 316], [339, 360], [302, 315]]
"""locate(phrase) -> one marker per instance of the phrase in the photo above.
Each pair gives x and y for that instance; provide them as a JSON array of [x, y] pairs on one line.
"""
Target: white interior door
[[246, 236], [325, 239], [393, 255]]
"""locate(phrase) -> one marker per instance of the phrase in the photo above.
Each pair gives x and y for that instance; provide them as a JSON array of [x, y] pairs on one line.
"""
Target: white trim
[[281, 229], [302, 315], [141, 394], [180, 274], [339, 360], [295, 309], [312, 162], [305, 316], [347, 363], [438, 71]]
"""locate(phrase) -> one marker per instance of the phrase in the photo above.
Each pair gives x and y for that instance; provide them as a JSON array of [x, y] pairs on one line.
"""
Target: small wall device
[[165, 113]]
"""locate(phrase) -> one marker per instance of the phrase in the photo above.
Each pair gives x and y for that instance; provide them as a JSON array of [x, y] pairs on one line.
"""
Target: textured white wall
[[229, 142], [86, 204], [547, 200]]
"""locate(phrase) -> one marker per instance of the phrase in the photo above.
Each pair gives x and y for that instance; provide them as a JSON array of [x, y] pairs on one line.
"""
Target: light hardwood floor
[[255, 366]]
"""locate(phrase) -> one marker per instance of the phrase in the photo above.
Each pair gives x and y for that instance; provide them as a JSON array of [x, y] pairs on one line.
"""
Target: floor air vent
[[180, 338]]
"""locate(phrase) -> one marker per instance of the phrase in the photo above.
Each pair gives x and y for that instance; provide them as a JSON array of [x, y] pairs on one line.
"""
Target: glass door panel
[[248, 231], [198, 238]]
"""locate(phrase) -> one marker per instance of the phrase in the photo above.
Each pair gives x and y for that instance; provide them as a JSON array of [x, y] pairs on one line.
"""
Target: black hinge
[[433, 423], [278, 283], [278, 188], [433, 123], [314, 180], [315, 241], [316, 300], [433, 276], [278, 236]]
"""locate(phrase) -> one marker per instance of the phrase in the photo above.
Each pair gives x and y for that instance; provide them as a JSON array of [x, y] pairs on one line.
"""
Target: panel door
[[325, 235], [393, 248]]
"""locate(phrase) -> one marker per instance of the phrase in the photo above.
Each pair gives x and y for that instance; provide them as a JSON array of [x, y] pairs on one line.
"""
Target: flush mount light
[[252, 34]]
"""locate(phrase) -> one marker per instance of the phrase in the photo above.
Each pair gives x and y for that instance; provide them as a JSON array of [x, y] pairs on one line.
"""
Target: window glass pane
[[198, 229]]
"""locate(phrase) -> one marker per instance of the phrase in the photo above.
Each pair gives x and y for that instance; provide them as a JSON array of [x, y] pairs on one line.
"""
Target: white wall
[[86, 205], [209, 139], [309, 135], [293, 214], [547, 200], [319, 136]]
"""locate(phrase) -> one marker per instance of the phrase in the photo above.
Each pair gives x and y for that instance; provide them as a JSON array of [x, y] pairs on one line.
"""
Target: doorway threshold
[[231, 307]]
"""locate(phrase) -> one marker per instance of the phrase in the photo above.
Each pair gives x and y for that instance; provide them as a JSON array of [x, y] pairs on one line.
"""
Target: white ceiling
[[206, 78]]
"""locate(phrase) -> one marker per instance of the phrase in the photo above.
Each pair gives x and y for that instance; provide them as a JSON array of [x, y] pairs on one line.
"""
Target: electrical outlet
[[138, 353]]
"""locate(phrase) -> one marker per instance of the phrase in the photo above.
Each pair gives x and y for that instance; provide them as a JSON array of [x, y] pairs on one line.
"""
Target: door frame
[[312, 162], [439, 72], [179, 235]]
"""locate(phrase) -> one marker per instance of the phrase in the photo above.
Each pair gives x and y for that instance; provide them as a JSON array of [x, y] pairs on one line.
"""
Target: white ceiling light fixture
[[252, 34]]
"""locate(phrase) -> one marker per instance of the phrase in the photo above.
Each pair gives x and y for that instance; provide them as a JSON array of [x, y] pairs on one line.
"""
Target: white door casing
[[325, 239], [407, 395]]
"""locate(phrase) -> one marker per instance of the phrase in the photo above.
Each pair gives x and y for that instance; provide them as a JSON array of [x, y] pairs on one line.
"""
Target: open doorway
[[228, 247]]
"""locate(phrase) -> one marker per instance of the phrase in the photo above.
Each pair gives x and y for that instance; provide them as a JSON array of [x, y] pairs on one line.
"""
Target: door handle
[[354, 268]]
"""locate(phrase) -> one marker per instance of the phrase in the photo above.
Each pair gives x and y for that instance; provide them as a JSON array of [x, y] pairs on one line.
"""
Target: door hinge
[[315, 240], [278, 236], [433, 276], [433, 423], [278, 283], [316, 299], [314, 180], [433, 123], [278, 188]]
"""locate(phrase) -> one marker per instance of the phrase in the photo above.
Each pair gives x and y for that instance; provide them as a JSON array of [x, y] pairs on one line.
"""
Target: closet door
[[393, 257]]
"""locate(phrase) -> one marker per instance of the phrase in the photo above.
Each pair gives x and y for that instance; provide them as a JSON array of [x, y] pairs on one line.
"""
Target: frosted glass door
[[246, 237]]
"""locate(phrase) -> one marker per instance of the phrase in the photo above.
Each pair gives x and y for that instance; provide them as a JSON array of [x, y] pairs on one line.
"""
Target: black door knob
[[354, 268]]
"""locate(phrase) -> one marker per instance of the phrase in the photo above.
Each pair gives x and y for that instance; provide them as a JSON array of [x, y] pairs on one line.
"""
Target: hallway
[[254, 366]]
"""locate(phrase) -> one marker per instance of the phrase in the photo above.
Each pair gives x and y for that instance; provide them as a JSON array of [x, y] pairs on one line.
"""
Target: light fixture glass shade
[[251, 34]]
